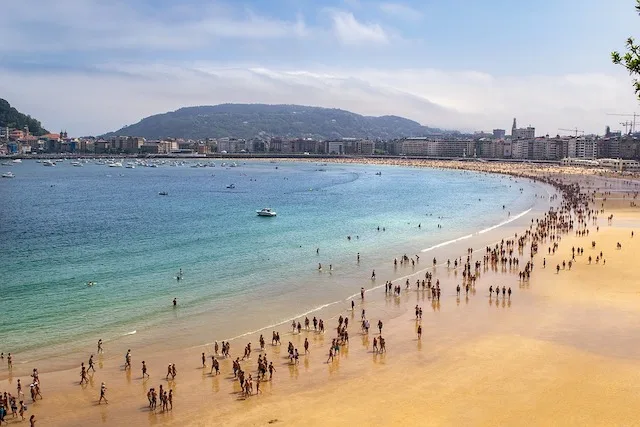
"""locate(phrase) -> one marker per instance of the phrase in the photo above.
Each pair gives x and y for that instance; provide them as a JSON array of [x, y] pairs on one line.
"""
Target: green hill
[[251, 120], [13, 118]]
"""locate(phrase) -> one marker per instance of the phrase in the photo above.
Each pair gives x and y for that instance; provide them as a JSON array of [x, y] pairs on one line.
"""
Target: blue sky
[[91, 65]]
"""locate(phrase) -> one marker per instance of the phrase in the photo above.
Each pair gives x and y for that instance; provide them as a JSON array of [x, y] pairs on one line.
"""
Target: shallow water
[[62, 227]]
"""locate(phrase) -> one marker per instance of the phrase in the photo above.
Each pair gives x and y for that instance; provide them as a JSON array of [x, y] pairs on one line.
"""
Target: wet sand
[[562, 351]]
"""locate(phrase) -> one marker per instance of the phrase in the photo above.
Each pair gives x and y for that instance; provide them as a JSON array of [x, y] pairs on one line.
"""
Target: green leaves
[[631, 59]]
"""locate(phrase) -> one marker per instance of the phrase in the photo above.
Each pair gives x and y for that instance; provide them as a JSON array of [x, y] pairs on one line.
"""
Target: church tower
[[513, 128]]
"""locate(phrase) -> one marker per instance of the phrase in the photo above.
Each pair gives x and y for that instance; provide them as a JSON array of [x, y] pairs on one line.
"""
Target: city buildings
[[522, 144]]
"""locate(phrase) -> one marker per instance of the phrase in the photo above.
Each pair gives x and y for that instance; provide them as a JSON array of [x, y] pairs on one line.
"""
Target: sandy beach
[[560, 351]]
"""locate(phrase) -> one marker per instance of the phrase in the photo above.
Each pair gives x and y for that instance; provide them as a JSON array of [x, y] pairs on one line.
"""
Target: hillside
[[13, 118], [251, 120]]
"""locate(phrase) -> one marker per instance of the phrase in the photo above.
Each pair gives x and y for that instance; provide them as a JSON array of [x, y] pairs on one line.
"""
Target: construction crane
[[634, 115], [576, 130], [626, 125]]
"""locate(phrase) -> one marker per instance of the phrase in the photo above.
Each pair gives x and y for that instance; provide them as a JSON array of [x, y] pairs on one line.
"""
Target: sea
[[63, 227]]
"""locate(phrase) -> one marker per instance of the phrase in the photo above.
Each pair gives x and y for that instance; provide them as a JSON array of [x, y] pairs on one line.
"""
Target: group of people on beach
[[574, 214], [15, 404]]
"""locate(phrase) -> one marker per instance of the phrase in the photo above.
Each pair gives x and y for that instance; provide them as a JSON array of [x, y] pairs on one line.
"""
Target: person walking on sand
[[127, 360], [19, 388], [103, 394], [215, 365], [373, 275], [100, 350], [83, 374], [306, 346], [375, 345], [23, 408], [168, 372], [419, 331], [272, 369], [9, 361], [91, 364], [144, 370], [380, 326], [173, 371], [32, 421], [204, 361], [330, 354]]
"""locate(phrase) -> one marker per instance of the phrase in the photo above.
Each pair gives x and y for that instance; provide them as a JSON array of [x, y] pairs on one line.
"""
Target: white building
[[583, 148]]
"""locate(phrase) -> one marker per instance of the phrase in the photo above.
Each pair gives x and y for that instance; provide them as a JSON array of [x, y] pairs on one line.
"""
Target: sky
[[93, 66]]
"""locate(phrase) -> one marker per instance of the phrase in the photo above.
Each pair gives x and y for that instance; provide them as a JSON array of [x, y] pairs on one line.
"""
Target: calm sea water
[[64, 226]]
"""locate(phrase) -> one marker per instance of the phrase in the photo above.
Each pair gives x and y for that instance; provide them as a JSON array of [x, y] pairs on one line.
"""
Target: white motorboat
[[266, 212], [130, 166], [76, 164], [115, 165], [8, 175], [48, 163], [17, 161]]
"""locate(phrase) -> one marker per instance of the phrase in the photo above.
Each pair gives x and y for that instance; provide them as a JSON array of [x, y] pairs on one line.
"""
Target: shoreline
[[60, 360], [148, 336], [390, 311]]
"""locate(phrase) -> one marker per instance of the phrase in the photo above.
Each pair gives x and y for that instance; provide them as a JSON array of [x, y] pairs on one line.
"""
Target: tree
[[631, 59]]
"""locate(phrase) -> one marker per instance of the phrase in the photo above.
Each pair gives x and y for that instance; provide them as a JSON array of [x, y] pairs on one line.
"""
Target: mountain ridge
[[12, 118], [271, 120]]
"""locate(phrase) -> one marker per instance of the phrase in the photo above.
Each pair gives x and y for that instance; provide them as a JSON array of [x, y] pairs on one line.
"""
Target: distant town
[[614, 149]]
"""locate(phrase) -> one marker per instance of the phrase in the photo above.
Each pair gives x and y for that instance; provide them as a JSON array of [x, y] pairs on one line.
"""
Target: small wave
[[448, 242], [513, 218], [129, 333], [273, 325]]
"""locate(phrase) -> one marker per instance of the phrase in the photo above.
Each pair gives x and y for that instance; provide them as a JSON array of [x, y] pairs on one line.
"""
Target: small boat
[[8, 175], [266, 212], [232, 186], [115, 165], [76, 164], [48, 163], [163, 193], [91, 283], [7, 164], [379, 173], [130, 166], [17, 161]]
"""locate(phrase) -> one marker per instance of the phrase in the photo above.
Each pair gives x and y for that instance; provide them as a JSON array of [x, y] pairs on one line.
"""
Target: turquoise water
[[63, 226]]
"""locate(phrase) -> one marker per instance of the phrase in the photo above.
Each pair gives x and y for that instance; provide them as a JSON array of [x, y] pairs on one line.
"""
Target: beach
[[559, 351]]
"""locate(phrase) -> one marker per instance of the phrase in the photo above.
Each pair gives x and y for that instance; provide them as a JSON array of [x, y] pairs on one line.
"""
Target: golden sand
[[562, 352]]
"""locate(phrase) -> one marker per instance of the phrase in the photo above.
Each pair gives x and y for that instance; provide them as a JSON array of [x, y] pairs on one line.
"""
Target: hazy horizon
[[92, 67]]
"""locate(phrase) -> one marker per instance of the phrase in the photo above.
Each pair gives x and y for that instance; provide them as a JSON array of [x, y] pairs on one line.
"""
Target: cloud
[[402, 11], [350, 31], [115, 95], [85, 25]]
